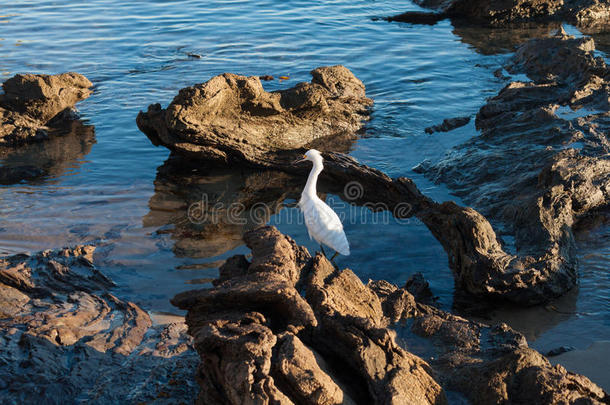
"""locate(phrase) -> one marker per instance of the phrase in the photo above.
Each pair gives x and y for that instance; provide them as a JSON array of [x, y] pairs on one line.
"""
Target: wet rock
[[348, 352], [534, 168], [448, 124], [559, 350], [231, 118], [481, 265], [33, 103], [63, 334]]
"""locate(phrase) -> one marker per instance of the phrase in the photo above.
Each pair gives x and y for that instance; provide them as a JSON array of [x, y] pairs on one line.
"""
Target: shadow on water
[[44, 161], [207, 210]]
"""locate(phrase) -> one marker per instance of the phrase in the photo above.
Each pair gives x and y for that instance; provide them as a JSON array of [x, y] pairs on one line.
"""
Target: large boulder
[[231, 118]]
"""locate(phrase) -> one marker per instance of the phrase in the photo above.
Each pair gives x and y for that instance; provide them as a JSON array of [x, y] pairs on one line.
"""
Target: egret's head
[[312, 155]]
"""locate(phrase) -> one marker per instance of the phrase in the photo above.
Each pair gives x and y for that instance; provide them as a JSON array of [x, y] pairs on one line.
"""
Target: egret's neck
[[310, 186]]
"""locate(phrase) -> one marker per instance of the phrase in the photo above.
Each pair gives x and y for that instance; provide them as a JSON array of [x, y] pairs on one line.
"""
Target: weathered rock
[[255, 351], [231, 118], [32, 103], [347, 353], [448, 124], [556, 180], [591, 14], [65, 338]]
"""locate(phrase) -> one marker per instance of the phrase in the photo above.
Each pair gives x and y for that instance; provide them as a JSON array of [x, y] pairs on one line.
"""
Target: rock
[[32, 103], [42, 97], [348, 352], [63, 334], [232, 119], [556, 180], [559, 350], [448, 125], [590, 14], [257, 347]]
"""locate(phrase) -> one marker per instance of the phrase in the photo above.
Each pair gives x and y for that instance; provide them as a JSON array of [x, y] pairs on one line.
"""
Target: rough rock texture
[[231, 118], [541, 161], [65, 338], [33, 103], [592, 15], [260, 341]]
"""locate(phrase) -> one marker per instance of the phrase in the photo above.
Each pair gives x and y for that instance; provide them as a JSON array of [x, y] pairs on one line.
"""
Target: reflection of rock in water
[[491, 41], [206, 211], [51, 158]]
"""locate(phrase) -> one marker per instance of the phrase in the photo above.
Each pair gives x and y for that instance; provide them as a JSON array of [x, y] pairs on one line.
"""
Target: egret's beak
[[296, 162]]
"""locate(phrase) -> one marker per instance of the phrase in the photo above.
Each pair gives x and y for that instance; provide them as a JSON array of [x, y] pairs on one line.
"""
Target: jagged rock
[[348, 353], [556, 180], [591, 14], [33, 103], [253, 352], [65, 338], [231, 118], [480, 264]]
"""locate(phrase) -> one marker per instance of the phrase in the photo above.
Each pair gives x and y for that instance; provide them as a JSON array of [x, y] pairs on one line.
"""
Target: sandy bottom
[[594, 362]]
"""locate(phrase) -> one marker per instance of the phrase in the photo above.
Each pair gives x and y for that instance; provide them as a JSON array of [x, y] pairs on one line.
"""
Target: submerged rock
[[232, 119], [448, 124], [65, 338], [33, 103], [260, 341]]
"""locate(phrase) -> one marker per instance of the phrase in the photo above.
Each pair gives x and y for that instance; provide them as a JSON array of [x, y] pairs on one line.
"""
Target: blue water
[[141, 52]]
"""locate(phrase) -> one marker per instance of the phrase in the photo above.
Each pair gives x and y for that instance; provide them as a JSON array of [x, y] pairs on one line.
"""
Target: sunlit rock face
[[33, 103], [285, 327], [232, 119]]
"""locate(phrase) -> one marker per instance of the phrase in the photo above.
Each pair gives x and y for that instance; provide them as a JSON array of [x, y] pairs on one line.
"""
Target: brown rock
[[32, 103], [298, 362], [349, 355], [232, 118]]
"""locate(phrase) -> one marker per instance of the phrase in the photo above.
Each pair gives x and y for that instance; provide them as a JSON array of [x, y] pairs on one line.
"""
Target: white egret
[[323, 224]]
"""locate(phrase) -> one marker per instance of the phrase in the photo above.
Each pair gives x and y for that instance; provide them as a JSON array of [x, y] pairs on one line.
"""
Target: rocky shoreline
[[283, 326]]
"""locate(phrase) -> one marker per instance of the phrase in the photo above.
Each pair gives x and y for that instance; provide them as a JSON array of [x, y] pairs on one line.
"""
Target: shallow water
[[106, 189]]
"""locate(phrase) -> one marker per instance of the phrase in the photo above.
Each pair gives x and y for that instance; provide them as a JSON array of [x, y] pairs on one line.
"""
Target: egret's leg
[[335, 255], [323, 252], [332, 261]]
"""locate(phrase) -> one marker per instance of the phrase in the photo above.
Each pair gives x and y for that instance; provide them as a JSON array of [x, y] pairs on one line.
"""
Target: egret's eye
[[304, 156]]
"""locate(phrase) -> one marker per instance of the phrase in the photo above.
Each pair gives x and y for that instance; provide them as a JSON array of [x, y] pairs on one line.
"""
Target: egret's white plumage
[[323, 224]]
